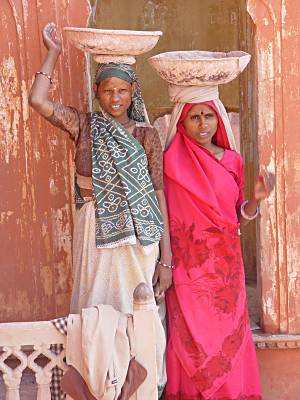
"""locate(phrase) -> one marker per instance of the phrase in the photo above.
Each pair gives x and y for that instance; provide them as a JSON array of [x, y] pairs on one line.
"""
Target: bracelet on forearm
[[245, 215], [165, 265], [46, 75]]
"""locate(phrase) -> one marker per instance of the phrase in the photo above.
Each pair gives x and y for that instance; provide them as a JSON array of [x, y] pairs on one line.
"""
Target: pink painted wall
[[35, 163], [280, 373]]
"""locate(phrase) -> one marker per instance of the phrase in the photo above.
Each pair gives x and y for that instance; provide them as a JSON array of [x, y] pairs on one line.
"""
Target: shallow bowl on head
[[109, 45], [199, 68]]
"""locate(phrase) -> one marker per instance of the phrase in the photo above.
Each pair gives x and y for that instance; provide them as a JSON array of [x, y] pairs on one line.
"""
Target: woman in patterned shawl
[[121, 216]]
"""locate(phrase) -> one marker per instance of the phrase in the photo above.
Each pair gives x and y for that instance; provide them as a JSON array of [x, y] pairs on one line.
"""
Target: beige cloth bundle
[[98, 348]]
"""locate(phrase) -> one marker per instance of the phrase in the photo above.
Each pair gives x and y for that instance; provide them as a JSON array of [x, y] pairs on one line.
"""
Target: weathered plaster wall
[[278, 98], [36, 160], [279, 373]]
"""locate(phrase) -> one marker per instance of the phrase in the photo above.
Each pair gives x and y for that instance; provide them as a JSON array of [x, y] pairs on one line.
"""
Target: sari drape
[[126, 206], [210, 353]]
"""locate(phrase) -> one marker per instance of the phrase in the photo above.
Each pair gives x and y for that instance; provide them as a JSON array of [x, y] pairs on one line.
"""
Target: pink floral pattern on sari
[[180, 396], [221, 248]]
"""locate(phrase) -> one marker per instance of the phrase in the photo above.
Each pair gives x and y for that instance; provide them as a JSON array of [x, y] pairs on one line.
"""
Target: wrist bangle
[[44, 74], [165, 265], [245, 215]]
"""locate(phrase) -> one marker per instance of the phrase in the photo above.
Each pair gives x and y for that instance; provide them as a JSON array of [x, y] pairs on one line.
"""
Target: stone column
[[278, 103], [277, 58]]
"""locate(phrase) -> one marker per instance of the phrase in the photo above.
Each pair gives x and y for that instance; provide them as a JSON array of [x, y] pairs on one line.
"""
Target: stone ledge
[[266, 341]]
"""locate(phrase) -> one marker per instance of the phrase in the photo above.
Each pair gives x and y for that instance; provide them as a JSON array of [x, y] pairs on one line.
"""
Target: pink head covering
[[187, 96], [220, 138]]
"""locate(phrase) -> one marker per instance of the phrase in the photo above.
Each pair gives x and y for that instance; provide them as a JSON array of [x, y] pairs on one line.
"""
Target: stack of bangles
[[165, 265], [245, 215], [44, 74]]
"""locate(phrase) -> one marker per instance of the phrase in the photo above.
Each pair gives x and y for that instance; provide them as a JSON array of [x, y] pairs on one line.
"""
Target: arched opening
[[211, 25]]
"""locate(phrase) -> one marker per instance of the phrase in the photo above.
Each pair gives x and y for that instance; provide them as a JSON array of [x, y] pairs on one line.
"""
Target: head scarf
[[126, 207], [181, 95], [220, 138], [137, 110]]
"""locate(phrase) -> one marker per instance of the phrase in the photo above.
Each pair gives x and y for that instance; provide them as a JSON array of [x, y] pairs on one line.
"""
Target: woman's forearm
[[164, 244], [163, 273], [38, 97], [250, 209]]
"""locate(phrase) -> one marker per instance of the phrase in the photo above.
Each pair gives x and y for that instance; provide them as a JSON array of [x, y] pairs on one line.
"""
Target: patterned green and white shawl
[[126, 206]]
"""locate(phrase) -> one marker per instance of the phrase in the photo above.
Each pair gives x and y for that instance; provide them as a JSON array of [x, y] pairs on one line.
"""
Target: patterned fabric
[[61, 324], [57, 373], [126, 206], [210, 352], [78, 125], [137, 108]]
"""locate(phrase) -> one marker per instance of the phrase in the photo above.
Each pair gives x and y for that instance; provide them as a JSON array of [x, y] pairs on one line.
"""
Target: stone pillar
[[277, 58], [278, 102]]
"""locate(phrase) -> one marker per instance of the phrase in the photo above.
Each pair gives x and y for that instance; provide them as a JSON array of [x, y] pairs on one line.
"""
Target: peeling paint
[[61, 228], [283, 14], [53, 187], [36, 160], [46, 279], [265, 21], [153, 9], [25, 11], [278, 120], [4, 216], [10, 107], [266, 61]]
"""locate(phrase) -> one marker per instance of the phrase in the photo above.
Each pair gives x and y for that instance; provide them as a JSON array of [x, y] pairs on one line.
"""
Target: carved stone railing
[[27, 345], [24, 343]]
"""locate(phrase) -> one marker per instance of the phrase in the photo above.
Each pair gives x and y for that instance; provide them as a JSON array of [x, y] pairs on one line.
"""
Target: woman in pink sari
[[210, 353]]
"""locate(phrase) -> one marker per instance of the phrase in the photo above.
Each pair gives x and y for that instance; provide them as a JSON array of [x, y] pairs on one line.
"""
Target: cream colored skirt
[[109, 276]]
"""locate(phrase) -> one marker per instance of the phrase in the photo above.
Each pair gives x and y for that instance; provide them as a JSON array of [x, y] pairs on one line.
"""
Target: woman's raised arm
[[38, 97]]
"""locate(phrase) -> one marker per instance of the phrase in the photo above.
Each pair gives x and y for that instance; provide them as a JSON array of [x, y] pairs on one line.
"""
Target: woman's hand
[[161, 281], [50, 38], [158, 295], [38, 97], [263, 186]]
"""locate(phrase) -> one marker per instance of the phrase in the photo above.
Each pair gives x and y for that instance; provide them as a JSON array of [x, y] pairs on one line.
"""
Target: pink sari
[[210, 352]]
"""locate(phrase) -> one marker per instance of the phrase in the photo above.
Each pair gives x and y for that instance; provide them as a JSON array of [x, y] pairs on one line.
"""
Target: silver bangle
[[46, 75], [245, 215], [165, 265]]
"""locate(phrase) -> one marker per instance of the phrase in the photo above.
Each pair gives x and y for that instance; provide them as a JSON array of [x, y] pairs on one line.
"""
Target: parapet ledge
[[267, 341]]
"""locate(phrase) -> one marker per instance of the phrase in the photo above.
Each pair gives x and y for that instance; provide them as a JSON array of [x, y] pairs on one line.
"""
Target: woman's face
[[201, 123], [115, 96]]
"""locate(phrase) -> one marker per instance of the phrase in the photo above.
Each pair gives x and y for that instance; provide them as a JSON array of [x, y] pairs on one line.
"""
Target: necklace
[[218, 152], [127, 122]]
